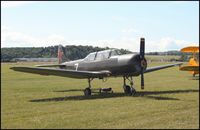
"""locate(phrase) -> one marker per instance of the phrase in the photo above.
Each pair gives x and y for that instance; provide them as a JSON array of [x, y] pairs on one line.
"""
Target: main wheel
[[127, 90], [87, 92], [133, 91]]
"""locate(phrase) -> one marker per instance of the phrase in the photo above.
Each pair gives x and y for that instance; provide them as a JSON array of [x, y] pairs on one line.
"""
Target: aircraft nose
[[144, 63], [138, 62]]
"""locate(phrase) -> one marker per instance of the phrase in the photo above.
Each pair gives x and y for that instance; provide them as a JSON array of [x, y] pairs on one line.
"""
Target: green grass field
[[170, 100]]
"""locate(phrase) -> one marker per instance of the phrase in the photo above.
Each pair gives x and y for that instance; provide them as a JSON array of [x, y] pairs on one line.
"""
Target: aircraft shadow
[[148, 94], [145, 94], [69, 90], [73, 90]]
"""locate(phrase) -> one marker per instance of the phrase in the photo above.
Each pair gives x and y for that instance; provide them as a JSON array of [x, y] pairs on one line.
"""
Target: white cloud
[[162, 44], [17, 39], [168, 43], [8, 4]]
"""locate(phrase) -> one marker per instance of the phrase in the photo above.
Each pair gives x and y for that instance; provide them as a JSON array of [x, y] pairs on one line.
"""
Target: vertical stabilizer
[[60, 54]]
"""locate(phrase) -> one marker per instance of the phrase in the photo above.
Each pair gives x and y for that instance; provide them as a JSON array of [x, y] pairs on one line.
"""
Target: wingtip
[[14, 68]]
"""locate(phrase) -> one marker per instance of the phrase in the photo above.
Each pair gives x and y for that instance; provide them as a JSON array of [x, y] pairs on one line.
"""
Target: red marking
[[60, 55]]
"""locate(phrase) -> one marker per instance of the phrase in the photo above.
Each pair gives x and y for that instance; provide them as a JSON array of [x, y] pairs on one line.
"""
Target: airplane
[[101, 64], [193, 63]]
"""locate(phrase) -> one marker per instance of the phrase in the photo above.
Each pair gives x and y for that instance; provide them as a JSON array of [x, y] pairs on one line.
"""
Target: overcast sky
[[165, 25]]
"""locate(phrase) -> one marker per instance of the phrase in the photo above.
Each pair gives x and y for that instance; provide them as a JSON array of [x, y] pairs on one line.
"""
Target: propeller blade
[[142, 80], [142, 51]]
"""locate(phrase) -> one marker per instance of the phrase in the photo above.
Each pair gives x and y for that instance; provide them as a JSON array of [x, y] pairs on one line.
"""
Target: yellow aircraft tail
[[193, 62]]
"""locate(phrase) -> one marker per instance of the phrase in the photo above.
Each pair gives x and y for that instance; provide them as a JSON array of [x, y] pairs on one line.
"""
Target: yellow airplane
[[193, 64]]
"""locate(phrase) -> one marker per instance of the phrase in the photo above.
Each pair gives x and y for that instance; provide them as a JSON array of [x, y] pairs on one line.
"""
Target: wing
[[189, 68], [150, 69], [190, 49], [63, 72]]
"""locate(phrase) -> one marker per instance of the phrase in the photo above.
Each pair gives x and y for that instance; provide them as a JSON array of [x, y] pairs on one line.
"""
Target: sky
[[165, 25]]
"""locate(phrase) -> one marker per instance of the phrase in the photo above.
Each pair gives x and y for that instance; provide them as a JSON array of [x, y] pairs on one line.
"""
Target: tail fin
[[60, 54], [193, 62]]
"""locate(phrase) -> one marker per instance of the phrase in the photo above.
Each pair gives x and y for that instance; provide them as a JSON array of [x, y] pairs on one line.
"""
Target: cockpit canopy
[[101, 55]]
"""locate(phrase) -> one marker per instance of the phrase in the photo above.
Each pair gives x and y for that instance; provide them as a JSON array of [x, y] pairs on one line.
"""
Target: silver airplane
[[102, 64]]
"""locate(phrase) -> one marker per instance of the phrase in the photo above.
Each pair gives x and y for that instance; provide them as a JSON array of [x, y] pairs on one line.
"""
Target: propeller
[[142, 51]]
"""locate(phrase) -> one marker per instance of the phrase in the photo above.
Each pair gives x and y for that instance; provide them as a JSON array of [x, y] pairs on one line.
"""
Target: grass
[[170, 100]]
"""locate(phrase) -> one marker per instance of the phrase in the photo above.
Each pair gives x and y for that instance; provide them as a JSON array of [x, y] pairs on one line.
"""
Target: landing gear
[[87, 91], [129, 90]]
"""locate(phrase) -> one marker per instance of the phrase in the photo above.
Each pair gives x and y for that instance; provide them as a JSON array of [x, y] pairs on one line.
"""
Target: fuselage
[[118, 65]]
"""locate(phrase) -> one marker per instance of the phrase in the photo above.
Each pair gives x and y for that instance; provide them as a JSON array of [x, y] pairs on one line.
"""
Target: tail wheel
[[87, 92]]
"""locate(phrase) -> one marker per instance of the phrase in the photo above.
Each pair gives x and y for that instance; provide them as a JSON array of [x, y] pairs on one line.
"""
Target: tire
[[133, 91], [87, 92], [127, 90]]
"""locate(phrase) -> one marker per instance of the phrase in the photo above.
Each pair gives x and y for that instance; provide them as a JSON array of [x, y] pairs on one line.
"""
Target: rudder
[[60, 54]]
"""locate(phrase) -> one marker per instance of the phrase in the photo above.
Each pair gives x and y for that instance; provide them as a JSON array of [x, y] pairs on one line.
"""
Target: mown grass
[[170, 100]]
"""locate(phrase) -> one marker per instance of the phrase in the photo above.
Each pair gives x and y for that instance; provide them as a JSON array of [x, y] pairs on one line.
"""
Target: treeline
[[183, 56], [175, 53], [71, 52]]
